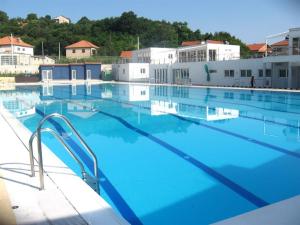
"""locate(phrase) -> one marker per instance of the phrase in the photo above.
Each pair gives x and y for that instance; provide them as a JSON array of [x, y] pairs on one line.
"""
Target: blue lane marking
[[269, 121], [274, 147], [115, 196], [255, 141], [219, 177], [252, 140]]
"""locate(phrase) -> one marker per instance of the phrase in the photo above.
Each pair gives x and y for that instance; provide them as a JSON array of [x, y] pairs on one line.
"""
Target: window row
[[248, 73], [161, 75]]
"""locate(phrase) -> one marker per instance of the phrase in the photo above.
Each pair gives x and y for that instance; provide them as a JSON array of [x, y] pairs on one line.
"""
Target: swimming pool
[[175, 155]]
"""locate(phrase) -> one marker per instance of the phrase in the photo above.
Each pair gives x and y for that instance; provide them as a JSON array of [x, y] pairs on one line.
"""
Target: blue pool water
[[176, 155]]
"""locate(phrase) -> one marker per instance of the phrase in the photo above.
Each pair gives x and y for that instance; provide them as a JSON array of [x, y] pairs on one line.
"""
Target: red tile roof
[[281, 43], [82, 44], [126, 54], [197, 42], [214, 42], [190, 43], [14, 41], [257, 47]]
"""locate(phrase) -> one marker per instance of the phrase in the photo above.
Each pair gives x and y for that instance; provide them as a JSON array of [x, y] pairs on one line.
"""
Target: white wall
[[198, 74], [154, 55], [17, 50], [225, 52], [135, 72], [293, 33]]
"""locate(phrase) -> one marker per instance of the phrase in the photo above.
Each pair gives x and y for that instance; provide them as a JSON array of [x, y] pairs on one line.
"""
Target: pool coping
[[81, 82], [60, 181], [285, 212]]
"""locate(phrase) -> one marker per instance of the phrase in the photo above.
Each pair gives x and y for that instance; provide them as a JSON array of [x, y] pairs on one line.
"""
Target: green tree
[[3, 17], [31, 16]]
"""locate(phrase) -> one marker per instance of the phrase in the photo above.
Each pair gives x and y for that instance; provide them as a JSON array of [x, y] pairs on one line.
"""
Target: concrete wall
[[17, 50], [18, 69], [78, 53], [95, 71], [198, 75], [154, 55], [135, 72]]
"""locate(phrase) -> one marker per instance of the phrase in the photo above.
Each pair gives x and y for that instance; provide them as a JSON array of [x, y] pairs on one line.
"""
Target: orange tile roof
[[82, 44], [190, 43], [14, 41], [257, 47], [126, 54], [197, 42], [214, 42], [281, 43]]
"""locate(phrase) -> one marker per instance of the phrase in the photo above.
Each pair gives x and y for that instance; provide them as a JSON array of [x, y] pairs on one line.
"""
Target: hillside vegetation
[[112, 34]]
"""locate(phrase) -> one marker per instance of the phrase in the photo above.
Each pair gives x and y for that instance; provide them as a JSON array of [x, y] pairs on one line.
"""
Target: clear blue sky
[[250, 20]]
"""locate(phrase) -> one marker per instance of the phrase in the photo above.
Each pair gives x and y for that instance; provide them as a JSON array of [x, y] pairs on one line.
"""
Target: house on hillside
[[15, 45], [258, 50], [15, 52], [81, 49], [62, 19]]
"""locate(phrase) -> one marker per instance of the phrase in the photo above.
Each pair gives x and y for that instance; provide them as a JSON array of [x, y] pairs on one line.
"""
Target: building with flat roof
[[81, 49], [218, 64], [72, 71]]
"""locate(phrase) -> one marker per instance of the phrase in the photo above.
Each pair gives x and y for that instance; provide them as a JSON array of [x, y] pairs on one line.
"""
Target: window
[[268, 73], [229, 73], [212, 55], [201, 55], [243, 73], [73, 51], [123, 71], [296, 46], [212, 71], [249, 73], [260, 73], [83, 50], [23, 49], [8, 60], [283, 73], [19, 49], [143, 70], [170, 56]]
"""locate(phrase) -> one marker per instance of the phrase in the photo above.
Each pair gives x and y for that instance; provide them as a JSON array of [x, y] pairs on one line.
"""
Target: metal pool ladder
[[92, 181]]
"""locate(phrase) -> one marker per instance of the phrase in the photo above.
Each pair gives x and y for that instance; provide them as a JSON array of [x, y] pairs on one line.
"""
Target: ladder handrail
[[39, 144], [61, 140]]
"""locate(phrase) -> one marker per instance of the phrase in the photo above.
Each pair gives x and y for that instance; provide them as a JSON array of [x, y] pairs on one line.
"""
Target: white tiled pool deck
[[66, 198]]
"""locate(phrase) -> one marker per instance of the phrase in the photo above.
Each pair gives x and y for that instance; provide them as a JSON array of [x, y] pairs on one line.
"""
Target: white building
[[62, 19], [217, 64], [17, 56], [15, 46]]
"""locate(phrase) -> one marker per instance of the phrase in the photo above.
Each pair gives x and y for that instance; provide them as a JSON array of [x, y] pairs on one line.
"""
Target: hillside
[[112, 34]]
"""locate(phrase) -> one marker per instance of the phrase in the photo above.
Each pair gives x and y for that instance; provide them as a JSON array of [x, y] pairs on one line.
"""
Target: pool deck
[[66, 198], [285, 212]]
